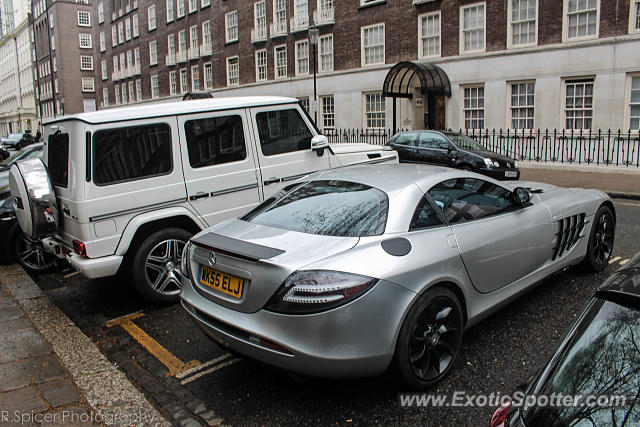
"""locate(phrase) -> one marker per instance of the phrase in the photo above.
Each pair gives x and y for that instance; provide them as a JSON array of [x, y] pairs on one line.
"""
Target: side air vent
[[569, 231]]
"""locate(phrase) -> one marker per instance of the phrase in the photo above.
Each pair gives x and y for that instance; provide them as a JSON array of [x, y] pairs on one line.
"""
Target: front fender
[[144, 218]]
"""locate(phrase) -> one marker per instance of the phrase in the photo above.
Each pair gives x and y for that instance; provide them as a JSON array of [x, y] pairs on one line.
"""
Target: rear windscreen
[[58, 159]]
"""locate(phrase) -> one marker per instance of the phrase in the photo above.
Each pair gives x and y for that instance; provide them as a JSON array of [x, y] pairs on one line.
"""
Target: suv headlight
[[313, 291], [184, 261]]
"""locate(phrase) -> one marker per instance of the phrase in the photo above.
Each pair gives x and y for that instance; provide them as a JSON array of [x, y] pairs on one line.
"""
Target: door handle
[[199, 195], [272, 180]]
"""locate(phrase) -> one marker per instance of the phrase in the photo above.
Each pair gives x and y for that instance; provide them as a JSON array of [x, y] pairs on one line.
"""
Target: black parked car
[[598, 358], [453, 150], [15, 245]]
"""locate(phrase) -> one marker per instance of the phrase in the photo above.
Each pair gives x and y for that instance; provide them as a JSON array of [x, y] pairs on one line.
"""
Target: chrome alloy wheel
[[162, 267], [434, 339]]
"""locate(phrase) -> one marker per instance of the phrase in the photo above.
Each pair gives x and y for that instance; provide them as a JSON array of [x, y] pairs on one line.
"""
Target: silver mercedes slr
[[353, 271]]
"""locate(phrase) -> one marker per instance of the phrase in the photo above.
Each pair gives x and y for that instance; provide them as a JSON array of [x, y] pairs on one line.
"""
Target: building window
[[280, 59], [137, 56], [173, 83], [304, 102], [522, 105], [231, 26], [634, 104], [114, 36], [124, 93], [131, 91], [195, 78], [193, 6], [206, 36], [523, 22], [261, 65], [129, 59], [205, 3], [260, 15], [581, 19], [117, 91], [136, 25], [181, 8], [233, 71], [171, 47], [372, 45], [634, 16], [472, 28], [84, 18], [170, 11], [121, 32], [139, 90], [374, 110], [103, 42], [127, 29], [153, 52], [194, 39], [280, 11], [105, 95], [184, 81], [326, 53], [100, 13], [302, 58], [151, 15], [85, 41], [105, 70], [86, 63], [578, 103], [88, 84], [155, 88], [182, 41], [208, 76], [328, 112], [429, 35], [301, 13], [473, 107]]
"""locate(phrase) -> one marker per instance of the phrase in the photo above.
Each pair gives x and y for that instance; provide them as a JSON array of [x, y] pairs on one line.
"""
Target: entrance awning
[[433, 79]]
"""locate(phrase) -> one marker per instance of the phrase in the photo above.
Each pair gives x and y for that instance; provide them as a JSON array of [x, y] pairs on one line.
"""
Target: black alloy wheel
[[31, 254], [600, 246]]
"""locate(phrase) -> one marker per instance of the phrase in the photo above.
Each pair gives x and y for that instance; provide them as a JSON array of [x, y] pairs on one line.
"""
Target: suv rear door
[[219, 164], [283, 146]]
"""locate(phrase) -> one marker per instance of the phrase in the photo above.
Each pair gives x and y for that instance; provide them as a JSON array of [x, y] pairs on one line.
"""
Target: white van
[[124, 189]]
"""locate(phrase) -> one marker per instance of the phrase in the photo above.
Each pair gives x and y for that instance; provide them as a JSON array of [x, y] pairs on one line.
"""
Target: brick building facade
[[511, 63]]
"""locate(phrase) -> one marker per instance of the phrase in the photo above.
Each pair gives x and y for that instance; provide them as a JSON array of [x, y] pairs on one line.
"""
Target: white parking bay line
[[614, 259], [208, 371], [624, 261], [202, 366]]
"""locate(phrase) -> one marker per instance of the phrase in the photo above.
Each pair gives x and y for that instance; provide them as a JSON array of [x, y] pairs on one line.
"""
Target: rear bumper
[[91, 268], [355, 340]]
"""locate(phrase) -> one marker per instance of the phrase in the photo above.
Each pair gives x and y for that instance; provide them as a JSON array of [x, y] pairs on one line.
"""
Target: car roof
[[160, 109], [392, 177], [624, 283]]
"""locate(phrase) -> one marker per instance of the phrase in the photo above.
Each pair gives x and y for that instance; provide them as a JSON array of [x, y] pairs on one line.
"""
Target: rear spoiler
[[235, 248]]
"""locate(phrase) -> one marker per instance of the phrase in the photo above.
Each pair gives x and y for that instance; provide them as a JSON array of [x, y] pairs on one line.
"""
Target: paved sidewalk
[[618, 182], [51, 373]]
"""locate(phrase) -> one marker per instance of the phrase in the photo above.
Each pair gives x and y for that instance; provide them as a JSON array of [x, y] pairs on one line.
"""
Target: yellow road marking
[[164, 356]]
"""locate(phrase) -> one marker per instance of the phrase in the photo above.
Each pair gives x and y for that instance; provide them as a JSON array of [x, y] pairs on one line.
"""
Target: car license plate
[[225, 283], [510, 174]]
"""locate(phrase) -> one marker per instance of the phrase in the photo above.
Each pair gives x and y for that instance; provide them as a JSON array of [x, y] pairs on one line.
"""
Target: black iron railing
[[599, 147]]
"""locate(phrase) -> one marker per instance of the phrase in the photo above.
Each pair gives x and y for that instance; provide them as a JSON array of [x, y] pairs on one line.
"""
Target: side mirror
[[521, 195], [319, 143]]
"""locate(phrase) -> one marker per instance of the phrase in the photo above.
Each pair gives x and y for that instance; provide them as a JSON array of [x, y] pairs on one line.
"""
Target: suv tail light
[[79, 248]]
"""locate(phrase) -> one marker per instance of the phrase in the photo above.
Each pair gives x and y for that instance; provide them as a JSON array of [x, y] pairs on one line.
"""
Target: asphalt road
[[496, 356]]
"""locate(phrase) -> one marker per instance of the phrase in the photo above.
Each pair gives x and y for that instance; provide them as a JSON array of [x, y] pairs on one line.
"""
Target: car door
[[499, 240], [405, 145], [434, 148], [219, 164], [283, 146]]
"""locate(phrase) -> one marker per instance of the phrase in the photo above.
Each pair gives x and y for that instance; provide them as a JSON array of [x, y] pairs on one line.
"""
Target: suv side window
[[215, 140], [425, 216], [468, 199], [58, 161], [282, 131], [433, 140], [130, 153]]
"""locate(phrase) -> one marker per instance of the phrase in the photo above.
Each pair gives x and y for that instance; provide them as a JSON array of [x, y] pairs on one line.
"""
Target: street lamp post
[[313, 36]]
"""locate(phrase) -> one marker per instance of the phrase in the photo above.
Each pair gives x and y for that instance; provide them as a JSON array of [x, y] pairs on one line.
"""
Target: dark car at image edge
[[454, 150]]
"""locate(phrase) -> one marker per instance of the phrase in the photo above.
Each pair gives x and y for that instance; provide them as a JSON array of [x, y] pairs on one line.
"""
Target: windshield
[[602, 359], [330, 208], [465, 142]]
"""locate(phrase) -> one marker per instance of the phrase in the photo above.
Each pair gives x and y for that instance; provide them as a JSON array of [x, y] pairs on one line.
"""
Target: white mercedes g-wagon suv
[[122, 190]]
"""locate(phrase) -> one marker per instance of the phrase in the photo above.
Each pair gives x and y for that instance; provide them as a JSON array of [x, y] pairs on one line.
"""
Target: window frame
[[565, 24], [511, 107], [299, 43], [207, 82], [634, 17], [151, 18], [363, 48], [171, 12], [193, 6], [421, 17], [103, 42], [135, 24], [365, 112], [90, 61], [277, 69], [463, 109], [181, 9], [229, 28], [629, 103], [510, 24], [173, 83], [228, 63], [462, 29], [184, 80], [256, 17], [426, 199], [155, 86], [153, 51], [84, 14], [265, 65], [195, 78], [323, 114], [87, 38], [321, 69], [577, 79], [89, 88], [104, 69]]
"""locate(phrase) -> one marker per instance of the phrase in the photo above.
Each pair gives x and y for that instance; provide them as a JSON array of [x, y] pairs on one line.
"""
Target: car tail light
[[184, 261], [313, 291], [500, 416], [79, 248]]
